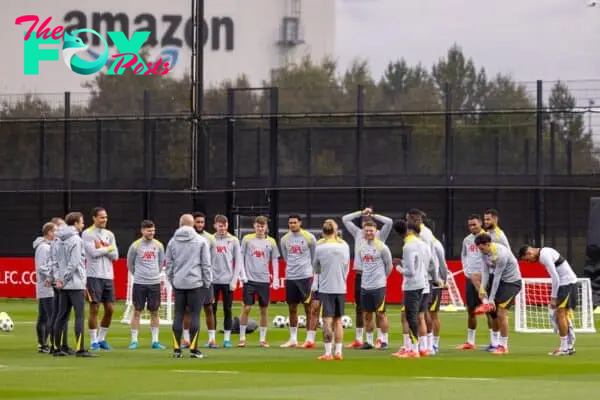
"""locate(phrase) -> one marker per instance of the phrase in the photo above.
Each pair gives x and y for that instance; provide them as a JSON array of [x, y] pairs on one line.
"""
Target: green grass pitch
[[275, 373]]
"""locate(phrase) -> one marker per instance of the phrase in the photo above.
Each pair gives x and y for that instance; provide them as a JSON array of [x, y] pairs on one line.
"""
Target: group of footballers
[[203, 267]]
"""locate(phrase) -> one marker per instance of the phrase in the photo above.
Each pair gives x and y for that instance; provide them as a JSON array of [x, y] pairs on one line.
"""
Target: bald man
[[189, 272]]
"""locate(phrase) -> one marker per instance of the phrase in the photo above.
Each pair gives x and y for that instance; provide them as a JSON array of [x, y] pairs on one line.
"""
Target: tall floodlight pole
[[198, 167]]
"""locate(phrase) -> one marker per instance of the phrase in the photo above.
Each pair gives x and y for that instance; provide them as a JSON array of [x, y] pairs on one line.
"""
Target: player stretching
[[227, 265], [298, 250], [189, 272], [433, 331], [100, 251], [376, 263], [145, 260], [258, 251], [505, 286], [357, 234], [472, 264], [43, 286], [490, 223], [563, 298], [331, 265], [70, 282], [413, 270]]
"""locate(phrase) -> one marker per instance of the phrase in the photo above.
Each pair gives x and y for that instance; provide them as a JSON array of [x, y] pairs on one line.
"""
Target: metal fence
[[535, 165]]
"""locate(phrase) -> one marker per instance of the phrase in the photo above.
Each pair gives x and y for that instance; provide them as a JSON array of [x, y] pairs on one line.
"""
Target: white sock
[[242, 332], [227, 336], [407, 342], [564, 343], [134, 335], [262, 333], [294, 334], [430, 341], [496, 339], [471, 336], [414, 347], [504, 341], [212, 335], [492, 337], [310, 336], [186, 335], [571, 335], [93, 335], [328, 348], [359, 334], [379, 334], [338, 348], [102, 334], [384, 338], [436, 341], [370, 338], [154, 331], [422, 343]]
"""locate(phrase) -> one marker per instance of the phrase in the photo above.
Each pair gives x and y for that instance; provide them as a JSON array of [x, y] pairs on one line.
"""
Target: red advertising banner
[[17, 280]]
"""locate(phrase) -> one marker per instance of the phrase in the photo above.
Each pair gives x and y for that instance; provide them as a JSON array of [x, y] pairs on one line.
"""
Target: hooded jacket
[[43, 267], [69, 255], [188, 260]]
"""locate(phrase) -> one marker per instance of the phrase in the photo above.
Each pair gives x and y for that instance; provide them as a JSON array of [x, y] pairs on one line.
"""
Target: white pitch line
[[454, 378], [204, 371]]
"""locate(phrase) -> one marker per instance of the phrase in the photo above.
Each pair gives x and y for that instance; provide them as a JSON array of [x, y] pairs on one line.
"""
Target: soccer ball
[[279, 321], [287, 321], [6, 324], [301, 321], [346, 322]]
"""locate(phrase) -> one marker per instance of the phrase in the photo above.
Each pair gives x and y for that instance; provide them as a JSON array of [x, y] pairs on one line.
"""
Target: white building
[[250, 37]]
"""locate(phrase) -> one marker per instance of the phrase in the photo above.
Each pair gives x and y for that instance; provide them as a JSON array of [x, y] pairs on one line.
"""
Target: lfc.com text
[[17, 278]]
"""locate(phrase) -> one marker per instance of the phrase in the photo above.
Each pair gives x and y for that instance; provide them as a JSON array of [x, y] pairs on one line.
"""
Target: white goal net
[[166, 303], [451, 298], [532, 307]]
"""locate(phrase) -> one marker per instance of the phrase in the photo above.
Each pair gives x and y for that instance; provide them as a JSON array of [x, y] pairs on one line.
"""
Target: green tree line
[[408, 138]]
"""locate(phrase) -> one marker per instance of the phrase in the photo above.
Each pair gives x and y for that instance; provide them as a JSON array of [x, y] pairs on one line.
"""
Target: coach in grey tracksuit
[[189, 272], [63, 339], [43, 288], [70, 280]]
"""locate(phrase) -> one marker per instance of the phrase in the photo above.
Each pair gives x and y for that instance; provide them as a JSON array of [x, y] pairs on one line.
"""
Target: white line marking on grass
[[26, 368], [455, 378], [204, 371]]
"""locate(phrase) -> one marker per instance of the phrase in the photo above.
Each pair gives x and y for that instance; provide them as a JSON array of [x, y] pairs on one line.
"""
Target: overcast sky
[[530, 39]]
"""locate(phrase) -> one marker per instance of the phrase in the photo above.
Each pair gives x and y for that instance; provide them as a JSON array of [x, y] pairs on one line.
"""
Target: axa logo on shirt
[[18, 278], [258, 253], [149, 255], [128, 56], [221, 249]]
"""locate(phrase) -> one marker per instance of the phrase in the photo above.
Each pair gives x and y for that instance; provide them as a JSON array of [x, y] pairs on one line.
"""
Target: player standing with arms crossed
[[258, 251], [563, 297], [70, 282], [145, 260], [101, 250], [43, 286], [331, 265], [358, 235], [376, 263], [505, 286], [189, 272], [472, 264], [227, 266], [298, 251]]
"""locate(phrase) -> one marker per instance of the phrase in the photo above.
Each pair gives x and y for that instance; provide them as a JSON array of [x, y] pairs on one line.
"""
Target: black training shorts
[[146, 295]]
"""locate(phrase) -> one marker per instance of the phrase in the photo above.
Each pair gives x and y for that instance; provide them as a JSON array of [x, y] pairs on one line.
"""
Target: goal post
[[451, 298], [166, 303], [532, 307]]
